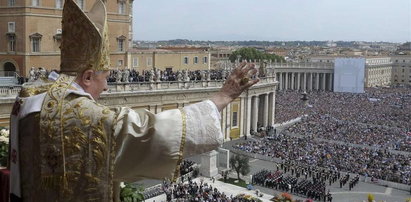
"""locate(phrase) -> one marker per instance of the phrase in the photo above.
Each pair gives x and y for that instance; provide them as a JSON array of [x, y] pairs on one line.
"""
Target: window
[[122, 7], [59, 3], [149, 61], [186, 60], [195, 60], [12, 42], [35, 42], [205, 60], [235, 119], [135, 62], [120, 45], [35, 2], [11, 27], [120, 63], [80, 3], [11, 2]]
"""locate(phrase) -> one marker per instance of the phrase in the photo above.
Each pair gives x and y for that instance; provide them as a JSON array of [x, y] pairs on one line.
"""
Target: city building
[[401, 69], [378, 71], [168, 59], [30, 33]]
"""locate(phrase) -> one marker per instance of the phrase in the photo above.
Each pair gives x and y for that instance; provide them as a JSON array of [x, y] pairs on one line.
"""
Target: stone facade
[[401, 69], [378, 72], [146, 59]]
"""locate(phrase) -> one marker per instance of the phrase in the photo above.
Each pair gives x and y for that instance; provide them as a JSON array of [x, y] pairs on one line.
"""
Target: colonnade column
[[228, 121], [280, 81], [330, 82], [255, 113], [286, 81], [323, 86], [159, 109], [292, 80], [272, 111], [224, 122], [311, 82], [241, 121], [153, 109], [266, 110], [305, 82], [298, 81], [248, 115], [317, 82]]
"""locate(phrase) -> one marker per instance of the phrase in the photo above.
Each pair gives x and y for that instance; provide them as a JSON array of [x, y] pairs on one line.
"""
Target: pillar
[[280, 81], [153, 109], [330, 81], [159, 109], [266, 110], [317, 81], [228, 121], [292, 80], [298, 81], [248, 115], [224, 122], [241, 120], [305, 82], [323, 81], [286, 81], [255, 113], [311, 82], [271, 114]]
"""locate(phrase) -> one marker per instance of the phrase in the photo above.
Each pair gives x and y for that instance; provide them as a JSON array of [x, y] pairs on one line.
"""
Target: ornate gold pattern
[[77, 145], [31, 89], [182, 143]]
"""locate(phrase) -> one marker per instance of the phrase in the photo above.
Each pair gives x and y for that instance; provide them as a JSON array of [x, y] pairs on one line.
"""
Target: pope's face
[[98, 84]]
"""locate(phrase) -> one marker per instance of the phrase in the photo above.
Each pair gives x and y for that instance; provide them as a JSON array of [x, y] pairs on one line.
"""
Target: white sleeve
[[203, 128], [152, 145]]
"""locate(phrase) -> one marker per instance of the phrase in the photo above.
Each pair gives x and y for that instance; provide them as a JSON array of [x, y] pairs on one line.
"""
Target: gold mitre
[[84, 42]]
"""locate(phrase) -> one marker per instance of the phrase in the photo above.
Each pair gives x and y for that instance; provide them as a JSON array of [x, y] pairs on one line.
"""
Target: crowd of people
[[193, 191], [306, 150], [127, 75], [199, 191], [379, 117], [328, 127], [289, 183]]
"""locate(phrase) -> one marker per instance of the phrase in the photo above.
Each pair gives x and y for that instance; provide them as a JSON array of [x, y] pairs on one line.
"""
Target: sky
[[273, 20]]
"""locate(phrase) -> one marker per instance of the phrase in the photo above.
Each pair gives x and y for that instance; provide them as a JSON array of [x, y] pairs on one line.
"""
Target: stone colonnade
[[305, 81], [259, 112]]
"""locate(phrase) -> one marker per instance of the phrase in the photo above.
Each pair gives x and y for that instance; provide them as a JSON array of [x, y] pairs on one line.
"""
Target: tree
[[130, 193], [240, 164], [252, 54]]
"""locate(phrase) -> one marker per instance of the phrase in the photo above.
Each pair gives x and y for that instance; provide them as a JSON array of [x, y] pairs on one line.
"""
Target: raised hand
[[238, 81]]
